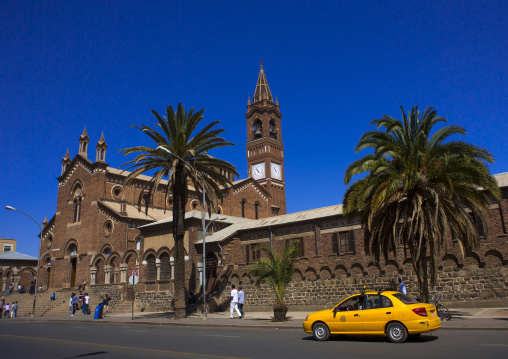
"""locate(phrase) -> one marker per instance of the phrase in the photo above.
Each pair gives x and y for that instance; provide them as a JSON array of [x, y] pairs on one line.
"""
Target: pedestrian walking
[[2, 304], [14, 309], [241, 300], [71, 305], [86, 302], [402, 286], [234, 303], [7, 309], [74, 303]]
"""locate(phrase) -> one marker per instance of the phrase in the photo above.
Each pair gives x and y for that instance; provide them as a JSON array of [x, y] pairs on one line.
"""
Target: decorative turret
[[83, 143], [262, 90], [101, 149], [66, 161]]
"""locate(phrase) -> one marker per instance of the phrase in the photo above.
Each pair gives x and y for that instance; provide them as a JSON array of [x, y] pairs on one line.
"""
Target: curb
[[222, 325]]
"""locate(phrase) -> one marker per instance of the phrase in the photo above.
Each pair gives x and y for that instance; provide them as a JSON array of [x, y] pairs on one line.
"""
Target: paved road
[[22, 339]]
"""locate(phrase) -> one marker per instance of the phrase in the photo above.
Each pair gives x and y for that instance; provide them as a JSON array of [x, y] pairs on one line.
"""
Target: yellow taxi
[[389, 313]]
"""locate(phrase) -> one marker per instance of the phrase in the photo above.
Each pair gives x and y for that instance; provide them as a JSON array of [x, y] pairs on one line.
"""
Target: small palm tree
[[185, 162], [419, 188], [277, 270]]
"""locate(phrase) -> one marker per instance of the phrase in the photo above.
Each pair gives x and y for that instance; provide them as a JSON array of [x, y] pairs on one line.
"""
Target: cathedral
[[104, 238]]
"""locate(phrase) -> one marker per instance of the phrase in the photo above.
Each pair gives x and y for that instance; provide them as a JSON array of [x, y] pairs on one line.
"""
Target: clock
[[258, 170], [276, 171]]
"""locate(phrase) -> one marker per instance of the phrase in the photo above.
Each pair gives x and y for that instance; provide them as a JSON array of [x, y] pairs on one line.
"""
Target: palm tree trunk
[[422, 273], [178, 234]]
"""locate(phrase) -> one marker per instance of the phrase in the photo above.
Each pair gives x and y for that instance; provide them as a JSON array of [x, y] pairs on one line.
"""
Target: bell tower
[[265, 149]]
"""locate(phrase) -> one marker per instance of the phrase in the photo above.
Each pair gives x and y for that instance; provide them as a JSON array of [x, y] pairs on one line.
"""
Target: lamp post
[[160, 148], [10, 208]]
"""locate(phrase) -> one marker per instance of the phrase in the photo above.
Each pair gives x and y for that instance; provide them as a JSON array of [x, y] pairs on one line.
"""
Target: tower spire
[[262, 90], [83, 143]]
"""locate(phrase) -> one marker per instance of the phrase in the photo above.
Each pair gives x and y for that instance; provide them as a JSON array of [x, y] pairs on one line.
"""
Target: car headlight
[[306, 318]]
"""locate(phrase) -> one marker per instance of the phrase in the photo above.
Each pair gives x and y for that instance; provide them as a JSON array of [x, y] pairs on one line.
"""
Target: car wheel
[[320, 331], [396, 332]]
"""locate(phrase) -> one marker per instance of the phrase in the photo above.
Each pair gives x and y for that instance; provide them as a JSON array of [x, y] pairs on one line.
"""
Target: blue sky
[[334, 65]]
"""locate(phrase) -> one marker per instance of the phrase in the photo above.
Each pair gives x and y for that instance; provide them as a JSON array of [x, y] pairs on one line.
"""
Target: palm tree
[[418, 188], [186, 162], [277, 270]]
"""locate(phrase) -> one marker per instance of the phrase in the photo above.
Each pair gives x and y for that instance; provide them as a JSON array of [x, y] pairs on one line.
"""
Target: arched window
[[100, 276], [152, 268], [256, 208], [258, 129], [138, 243], [72, 250], [165, 266], [273, 129], [243, 208], [77, 195]]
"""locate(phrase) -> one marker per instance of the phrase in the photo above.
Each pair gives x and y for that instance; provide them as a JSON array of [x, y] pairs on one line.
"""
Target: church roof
[[502, 179], [219, 218], [154, 214], [262, 90], [15, 256], [274, 221]]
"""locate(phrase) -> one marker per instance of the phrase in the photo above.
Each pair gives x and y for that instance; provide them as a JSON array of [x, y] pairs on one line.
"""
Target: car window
[[374, 301], [353, 303], [404, 298]]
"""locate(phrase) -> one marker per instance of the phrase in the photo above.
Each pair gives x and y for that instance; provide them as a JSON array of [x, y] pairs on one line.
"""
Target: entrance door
[[49, 277], [211, 272], [73, 272]]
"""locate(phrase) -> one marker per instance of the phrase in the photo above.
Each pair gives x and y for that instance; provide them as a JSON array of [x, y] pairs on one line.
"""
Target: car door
[[347, 317], [377, 312]]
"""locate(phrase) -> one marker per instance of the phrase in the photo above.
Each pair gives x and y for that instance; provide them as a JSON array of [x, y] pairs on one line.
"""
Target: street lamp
[[10, 208], [164, 149]]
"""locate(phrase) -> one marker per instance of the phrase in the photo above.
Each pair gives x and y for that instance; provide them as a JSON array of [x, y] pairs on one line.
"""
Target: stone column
[[107, 274], [172, 263], [123, 272], [200, 270], [158, 265], [93, 275], [4, 284], [15, 281]]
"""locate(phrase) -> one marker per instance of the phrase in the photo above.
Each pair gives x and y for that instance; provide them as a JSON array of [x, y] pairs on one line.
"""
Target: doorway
[[48, 276], [211, 272], [74, 263]]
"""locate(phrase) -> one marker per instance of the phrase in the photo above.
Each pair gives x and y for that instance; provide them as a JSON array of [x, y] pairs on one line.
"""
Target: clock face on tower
[[258, 170], [275, 169]]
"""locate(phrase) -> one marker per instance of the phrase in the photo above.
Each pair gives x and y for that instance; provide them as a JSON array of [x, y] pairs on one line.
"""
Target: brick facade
[[102, 236]]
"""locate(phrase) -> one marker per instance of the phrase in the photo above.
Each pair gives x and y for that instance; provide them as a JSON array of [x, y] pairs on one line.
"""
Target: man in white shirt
[[86, 302], [241, 300], [234, 303]]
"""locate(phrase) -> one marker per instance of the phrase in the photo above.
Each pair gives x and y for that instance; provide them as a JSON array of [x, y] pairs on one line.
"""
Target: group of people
[[82, 302], [21, 288], [237, 302], [77, 302], [7, 310]]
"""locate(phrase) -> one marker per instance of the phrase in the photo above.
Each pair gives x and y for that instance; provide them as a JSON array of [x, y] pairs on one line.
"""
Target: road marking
[[495, 345], [121, 347], [137, 331], [223, 336]]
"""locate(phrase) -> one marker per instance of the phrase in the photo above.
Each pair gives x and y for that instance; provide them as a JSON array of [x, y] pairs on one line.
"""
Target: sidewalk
[[462, 319]]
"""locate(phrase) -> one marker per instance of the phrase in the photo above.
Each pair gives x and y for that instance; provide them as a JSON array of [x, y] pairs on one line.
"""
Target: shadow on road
[[374, 339], [87, 355]]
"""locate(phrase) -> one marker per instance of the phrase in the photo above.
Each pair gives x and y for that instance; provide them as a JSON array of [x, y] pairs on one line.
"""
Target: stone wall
[[459, 287], [156, 301], [115, 291]]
